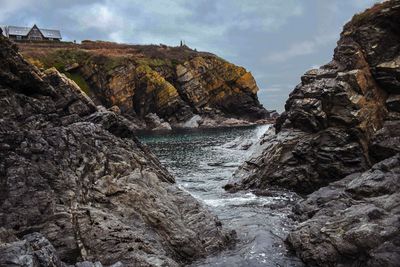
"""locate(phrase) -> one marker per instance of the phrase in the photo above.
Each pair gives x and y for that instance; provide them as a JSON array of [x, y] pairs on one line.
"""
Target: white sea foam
[[245, 199], [261, 130], [246, 142], [202, 165]]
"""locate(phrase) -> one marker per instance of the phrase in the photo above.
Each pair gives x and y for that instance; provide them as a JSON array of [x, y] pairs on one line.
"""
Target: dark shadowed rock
[[76, 174], [33, 250], [393, 103], [306, 157], [386, 141], [352, 222], [155, 123]]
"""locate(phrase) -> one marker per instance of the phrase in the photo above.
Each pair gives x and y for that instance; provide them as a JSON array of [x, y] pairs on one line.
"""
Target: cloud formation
[[276, 40], [302, 48]]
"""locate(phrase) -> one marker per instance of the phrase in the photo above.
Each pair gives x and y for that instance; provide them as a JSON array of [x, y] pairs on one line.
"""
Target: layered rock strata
[[175, 83], [333, 115], [339, 141]]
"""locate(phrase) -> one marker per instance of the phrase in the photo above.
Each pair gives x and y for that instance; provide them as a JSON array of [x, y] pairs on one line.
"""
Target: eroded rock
[[76, 174], [34, 250], [354, 221], [338, 141], [175, 83], [330, 118]]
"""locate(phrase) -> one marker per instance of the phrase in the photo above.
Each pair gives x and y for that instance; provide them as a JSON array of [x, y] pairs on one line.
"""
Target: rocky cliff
[[341, 123], [77, 187], [175, 85]]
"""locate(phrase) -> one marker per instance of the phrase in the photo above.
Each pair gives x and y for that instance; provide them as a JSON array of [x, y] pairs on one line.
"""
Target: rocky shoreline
[[78, 188], [157, 87], [338, 143], [154, 123]]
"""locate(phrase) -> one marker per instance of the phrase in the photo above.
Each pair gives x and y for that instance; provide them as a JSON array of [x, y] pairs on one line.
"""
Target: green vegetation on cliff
[[173, 82], [80, 81]]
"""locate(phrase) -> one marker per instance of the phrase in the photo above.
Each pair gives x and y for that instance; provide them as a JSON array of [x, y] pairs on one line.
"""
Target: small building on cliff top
[[31, 33]]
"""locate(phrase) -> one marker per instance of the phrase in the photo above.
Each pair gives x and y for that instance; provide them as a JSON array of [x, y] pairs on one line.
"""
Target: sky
[[277, 40]]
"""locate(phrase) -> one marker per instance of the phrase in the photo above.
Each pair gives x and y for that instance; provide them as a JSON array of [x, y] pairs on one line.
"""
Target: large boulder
[[34, 250]]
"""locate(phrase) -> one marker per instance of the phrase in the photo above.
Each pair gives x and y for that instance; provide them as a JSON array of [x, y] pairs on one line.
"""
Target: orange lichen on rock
[[247, 82], [174, 83]]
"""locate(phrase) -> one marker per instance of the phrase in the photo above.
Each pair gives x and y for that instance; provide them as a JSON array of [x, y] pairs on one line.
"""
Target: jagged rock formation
[[354, 221], [175, 83], [331, 117], [342, 124], [33, 250], [76, 174]]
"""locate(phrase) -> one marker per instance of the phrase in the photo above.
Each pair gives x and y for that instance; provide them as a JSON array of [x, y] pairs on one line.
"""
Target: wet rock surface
[[338, 141], [77, 187]]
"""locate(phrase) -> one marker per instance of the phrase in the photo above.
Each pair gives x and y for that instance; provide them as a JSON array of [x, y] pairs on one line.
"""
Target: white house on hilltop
[[34, 33]]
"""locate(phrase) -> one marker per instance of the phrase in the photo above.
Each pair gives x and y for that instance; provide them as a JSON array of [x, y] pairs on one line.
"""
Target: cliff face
[[333, 114], [75, 184], [339, 121], [175, 83]]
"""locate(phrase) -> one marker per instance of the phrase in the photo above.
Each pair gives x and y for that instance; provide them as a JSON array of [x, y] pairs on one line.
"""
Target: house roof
[[15, 30], [23, 31], [51, 33]]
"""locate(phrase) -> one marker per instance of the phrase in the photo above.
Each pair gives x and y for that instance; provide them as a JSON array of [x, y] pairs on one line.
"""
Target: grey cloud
[[302, 48]]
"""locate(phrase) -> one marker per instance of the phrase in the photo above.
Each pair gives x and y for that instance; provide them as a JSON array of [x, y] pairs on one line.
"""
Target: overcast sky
[[277, 40]]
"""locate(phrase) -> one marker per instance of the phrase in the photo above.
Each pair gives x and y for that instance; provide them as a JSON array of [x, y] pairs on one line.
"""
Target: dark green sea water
[[202, 161]]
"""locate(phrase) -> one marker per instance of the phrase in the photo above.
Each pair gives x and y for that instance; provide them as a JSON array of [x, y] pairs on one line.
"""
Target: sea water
[[202, 162]]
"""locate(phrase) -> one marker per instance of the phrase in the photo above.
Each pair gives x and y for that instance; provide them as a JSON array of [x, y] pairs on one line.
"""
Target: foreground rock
[[339, 139], [177, 84], [352, 222], [75, 175]]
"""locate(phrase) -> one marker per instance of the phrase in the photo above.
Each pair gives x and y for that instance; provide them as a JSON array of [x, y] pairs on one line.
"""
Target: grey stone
[[334, 122], [76, 174], [352, 222]]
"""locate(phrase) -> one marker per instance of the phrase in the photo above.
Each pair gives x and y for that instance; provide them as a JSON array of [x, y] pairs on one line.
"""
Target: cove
[[202, 162]]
